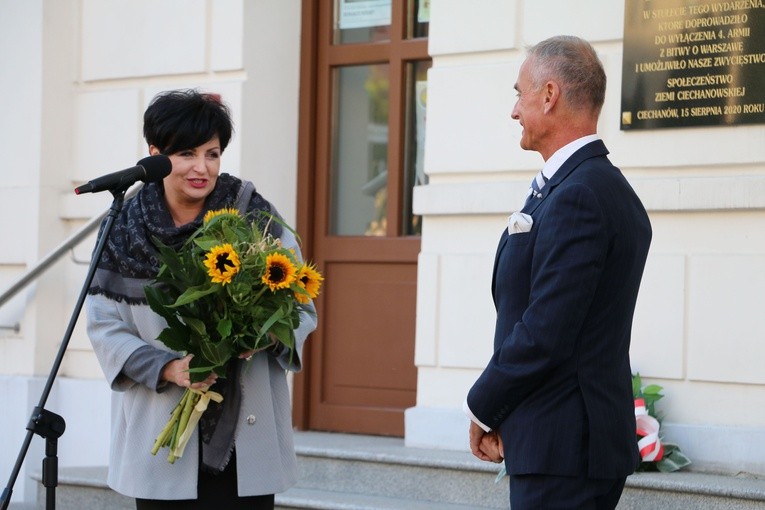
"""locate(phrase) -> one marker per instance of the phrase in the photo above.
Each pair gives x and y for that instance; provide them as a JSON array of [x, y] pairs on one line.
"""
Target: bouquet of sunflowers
[[232, 288]]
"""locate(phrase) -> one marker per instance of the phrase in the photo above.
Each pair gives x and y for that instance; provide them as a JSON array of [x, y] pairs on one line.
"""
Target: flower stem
[[191, 401], [165, 434]]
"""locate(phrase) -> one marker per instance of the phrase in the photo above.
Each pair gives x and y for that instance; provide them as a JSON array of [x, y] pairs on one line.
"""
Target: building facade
[[388, 142]]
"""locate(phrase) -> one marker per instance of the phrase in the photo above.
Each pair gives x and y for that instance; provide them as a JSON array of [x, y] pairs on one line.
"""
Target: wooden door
[[364, 68]]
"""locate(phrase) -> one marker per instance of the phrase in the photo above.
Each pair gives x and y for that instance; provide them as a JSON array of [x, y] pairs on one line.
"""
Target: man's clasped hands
[[486, 445]]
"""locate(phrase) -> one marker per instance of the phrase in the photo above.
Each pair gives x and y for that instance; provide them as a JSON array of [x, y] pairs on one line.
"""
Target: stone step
[[350, 464], [312, 499], [382, 466], [686, 489], [22, 506], [84, 488], [354, 472]]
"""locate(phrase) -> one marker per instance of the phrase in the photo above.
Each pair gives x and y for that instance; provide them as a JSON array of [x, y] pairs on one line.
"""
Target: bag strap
[[244, 196]]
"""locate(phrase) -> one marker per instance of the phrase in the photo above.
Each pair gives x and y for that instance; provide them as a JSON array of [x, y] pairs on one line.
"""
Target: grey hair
[[575, 65]]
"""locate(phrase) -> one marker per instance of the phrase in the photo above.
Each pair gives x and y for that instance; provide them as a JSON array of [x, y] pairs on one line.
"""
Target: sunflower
[[219, 212], [309, 279], [222, 263], [280, 271]]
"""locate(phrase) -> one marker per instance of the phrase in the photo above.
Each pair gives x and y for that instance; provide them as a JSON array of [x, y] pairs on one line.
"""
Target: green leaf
[[651, 398], [203, 370], [174, 339], [171, 259], [285, 334], [210, 353], [652, 389], [207, 244], [637, 384], [224, 327], [156, 299], [196, 325], [199, 368], [194, 293], [276, 316], [672, 461], [225, 348], [229, 233]]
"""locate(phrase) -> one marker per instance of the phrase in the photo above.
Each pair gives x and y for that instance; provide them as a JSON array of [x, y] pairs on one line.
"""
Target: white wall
[[270, 101], [698, 327], [20, 136]]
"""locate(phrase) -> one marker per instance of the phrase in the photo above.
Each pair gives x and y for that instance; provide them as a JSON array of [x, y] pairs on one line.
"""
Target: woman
[[242, 452]]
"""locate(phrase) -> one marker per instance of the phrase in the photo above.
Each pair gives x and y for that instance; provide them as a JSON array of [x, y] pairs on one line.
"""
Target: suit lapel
[[593, 149]]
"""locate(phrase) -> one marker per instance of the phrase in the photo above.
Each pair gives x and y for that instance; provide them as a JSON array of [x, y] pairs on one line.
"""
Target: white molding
[[432, 427], [658, 194]]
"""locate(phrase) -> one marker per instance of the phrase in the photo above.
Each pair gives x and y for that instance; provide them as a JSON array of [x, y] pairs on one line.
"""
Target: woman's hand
[[177, 372], [249, 354]]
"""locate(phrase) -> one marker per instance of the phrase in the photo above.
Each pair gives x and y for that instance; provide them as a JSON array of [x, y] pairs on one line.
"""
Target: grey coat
[[265, 456]]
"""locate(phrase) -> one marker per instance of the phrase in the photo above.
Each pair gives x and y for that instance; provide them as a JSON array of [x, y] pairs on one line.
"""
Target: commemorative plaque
[[693, 63]]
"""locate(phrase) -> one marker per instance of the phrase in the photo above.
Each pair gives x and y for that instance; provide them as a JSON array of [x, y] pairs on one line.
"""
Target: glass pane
[[361, 21], [360, 151], [419, 18], [414, 171]]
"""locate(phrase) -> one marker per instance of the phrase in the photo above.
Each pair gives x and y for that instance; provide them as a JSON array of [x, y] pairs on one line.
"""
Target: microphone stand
[[43, 422]]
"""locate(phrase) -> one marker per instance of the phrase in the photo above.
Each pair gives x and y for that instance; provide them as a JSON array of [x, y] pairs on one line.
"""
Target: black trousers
[[214, 492], [545, 492]]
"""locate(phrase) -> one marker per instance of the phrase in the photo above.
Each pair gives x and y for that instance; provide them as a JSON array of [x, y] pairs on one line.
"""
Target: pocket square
[[519, 222]]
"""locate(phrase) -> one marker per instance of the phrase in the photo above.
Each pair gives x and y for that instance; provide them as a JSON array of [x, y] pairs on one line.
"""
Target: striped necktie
[[535, 190]]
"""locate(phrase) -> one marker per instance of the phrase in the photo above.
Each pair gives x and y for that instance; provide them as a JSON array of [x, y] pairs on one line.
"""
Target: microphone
[[149, 169]]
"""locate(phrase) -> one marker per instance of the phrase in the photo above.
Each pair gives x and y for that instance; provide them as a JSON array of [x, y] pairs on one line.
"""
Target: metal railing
[[51, 258]]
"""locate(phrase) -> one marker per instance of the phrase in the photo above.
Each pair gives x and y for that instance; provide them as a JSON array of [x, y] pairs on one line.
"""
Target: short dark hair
[[179, 120], [575, 64]]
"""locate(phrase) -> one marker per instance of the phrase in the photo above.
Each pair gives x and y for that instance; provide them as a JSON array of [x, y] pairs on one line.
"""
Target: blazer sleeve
[[113, 338], [567, 261]]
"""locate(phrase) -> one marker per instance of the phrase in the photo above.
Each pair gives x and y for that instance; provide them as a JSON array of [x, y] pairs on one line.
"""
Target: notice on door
[[364, 13], [693, 63]]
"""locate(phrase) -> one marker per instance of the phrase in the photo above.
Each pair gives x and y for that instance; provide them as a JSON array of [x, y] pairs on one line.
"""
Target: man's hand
[[486, 446], [491, 446]]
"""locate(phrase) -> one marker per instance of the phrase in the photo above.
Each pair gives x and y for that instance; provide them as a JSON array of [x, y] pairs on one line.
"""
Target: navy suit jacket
[[558, 386]]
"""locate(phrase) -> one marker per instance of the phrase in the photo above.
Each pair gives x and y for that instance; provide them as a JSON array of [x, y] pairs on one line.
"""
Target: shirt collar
[[561, 155]]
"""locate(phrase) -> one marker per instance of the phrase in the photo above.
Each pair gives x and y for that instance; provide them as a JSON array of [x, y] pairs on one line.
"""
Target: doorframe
[[309, 21], [308, 151]]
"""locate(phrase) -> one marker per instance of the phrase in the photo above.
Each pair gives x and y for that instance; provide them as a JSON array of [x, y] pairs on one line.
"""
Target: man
[[555, 400]]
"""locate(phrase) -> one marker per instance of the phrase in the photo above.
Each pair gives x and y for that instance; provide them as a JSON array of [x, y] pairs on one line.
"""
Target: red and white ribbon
[[649, 443]]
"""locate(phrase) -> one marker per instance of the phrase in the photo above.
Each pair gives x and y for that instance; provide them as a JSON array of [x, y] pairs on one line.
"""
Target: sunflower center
[[277, 273], [222, 262]]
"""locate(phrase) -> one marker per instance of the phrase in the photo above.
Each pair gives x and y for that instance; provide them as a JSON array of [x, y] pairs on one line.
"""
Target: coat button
[[251, 419]]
